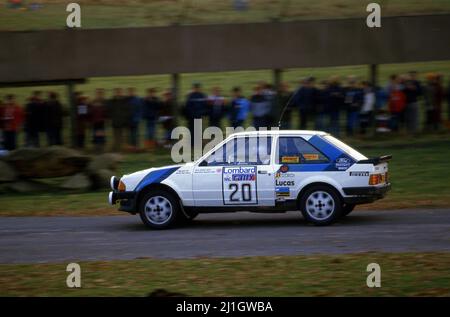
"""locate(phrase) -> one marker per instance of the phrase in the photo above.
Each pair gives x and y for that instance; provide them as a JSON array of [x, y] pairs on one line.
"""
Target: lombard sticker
[[359, 173], [282, 191], [311, 157], [239, 185], [290, 159], [343, 163]]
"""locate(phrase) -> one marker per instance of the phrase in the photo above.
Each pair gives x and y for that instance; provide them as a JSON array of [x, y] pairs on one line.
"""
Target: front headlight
[[121, 187]]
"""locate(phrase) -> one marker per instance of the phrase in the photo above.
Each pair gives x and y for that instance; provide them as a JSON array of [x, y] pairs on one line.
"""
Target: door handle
[[262, 172]]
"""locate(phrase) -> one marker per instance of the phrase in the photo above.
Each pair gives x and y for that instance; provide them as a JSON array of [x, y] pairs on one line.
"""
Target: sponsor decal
[[239, 170], [206, 170], [239, 185], [282, 191], [311, 157], [284, 169], [284, 175], [359, 173], [243, 177], [183, 172], [290, 159], [343, 163], [284, 183]]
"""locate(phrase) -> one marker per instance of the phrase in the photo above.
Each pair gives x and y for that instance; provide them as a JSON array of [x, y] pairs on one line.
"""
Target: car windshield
[[344, 147]]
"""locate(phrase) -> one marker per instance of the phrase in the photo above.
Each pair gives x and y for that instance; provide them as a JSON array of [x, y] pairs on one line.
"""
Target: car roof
[[280, 132]]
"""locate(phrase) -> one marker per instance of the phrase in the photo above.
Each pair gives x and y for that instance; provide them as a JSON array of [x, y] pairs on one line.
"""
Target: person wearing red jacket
[[11, 116], [397, 103]]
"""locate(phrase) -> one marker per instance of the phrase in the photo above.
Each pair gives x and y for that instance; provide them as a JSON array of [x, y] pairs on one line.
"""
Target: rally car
[[262, 171]]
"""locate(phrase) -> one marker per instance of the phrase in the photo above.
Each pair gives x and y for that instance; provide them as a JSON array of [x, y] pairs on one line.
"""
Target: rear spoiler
[[376, 160]]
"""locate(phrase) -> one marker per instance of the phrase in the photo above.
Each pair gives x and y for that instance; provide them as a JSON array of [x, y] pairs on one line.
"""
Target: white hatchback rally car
[[262, 171]]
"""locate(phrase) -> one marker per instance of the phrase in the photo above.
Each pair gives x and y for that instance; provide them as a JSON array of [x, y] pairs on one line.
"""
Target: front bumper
[[362, 195], [127, 200]]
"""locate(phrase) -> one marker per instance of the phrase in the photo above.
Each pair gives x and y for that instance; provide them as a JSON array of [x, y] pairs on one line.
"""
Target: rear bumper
[[127, 200], [362, 195]]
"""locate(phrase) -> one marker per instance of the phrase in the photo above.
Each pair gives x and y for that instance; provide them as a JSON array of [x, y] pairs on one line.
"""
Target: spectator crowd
[[321, 105]]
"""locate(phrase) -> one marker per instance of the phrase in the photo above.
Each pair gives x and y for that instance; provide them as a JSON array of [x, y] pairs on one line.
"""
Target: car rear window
[[345, 148]]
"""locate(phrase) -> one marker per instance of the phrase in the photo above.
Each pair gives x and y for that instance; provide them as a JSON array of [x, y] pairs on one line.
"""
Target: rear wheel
[[347, 208], [159, 209], [321, 205]]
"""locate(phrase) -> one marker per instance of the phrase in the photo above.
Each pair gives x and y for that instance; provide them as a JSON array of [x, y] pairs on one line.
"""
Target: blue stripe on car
[[156, 177], [326, 148]]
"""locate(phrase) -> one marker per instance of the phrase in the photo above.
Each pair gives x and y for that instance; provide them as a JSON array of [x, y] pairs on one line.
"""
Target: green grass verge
[[120, 13], [402, 274], [419, 173]]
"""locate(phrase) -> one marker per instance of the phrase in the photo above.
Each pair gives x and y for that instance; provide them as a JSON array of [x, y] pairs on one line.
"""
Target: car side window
[[295, 150], [242, 151]]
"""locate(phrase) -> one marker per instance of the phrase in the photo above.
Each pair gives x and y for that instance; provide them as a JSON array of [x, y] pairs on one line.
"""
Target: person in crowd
[[33, 111], [448, 102], [120, 116], [11, 118], [81, 119], [412, 90], [305, 100], [151, 107], [352, 102], [167, 116], [320, 107], [366, 114], [135, 104], [54, 120], [434, 95], [239, 109], [260, 108], [216, 107], [196, 107], [271, 96], [283, 102], [97, 116], [334, 99], [396, 103]]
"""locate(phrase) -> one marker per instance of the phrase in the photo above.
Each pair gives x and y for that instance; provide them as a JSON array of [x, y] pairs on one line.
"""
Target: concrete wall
[[64, 54]]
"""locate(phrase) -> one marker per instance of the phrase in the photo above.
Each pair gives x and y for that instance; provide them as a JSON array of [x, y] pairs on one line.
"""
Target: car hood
[[133, 179]]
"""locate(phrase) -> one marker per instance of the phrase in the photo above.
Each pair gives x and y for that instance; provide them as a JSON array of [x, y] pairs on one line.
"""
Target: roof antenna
[[286, 106]]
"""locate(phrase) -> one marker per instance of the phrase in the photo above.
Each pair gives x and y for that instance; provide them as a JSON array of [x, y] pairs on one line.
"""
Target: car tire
[[347, 208], [159, 209], [321, 205]]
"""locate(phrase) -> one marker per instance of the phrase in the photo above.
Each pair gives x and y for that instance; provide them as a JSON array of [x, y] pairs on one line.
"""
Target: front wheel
[[159, 209], [321, 205]]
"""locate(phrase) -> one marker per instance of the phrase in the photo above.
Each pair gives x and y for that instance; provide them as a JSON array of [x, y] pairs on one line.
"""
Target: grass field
[[419, 173], [402, 274], [138, 13]]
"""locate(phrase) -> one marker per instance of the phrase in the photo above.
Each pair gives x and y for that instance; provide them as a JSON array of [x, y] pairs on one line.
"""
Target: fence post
[[277, 79]]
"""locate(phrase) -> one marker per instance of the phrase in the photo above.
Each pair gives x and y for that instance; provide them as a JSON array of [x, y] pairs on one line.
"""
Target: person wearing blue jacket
[[240, 107], [196, 107], [135, 104], [353, 101], [305, 100]]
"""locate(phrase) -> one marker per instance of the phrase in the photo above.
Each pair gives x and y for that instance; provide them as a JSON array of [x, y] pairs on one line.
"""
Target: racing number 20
[[246, 192]]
